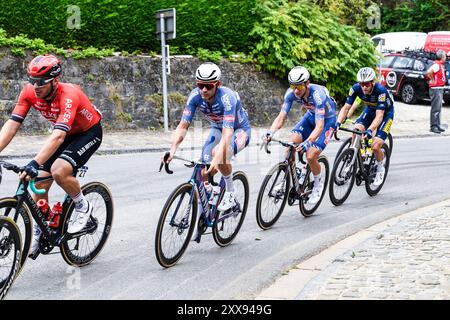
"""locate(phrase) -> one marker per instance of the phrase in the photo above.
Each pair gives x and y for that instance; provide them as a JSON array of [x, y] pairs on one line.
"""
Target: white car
[[399, 41]]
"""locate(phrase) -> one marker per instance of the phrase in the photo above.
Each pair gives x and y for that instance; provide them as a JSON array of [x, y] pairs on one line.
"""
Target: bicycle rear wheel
[[371, 189], [23, 220], [308, 209], [82, 250], [176, 225], [227, 225], [342, 177], [10, 254], [271, 203]]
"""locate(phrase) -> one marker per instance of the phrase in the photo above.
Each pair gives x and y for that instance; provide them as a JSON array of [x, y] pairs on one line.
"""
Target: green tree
[[416, 15], [299, 33]]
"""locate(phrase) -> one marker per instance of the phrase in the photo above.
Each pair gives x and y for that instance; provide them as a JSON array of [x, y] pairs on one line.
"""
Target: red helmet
[[46, 66]]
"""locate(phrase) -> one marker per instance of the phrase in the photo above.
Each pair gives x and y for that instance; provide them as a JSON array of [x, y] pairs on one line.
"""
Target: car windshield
[[386, 62]]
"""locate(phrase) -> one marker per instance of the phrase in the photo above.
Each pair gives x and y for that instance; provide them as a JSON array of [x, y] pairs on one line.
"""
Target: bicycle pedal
[[33, 256]]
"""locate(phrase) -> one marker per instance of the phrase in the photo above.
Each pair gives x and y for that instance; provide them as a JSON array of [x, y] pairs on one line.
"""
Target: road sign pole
[[164, 73]]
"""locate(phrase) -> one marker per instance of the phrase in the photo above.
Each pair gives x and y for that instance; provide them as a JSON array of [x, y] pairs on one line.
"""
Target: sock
[[317, 180], [229, 185], [380, 163], [80, 202]]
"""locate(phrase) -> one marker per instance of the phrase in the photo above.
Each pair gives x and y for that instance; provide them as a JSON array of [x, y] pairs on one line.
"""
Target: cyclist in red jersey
[[76, 135]]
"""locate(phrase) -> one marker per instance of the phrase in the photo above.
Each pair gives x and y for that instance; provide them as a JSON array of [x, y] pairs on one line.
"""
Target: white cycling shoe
[[315, 194], [379, 177], [228, 201], [79, 219]]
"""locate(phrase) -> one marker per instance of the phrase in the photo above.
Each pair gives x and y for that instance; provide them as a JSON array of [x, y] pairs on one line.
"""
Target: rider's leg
[[240, 140], [377, 148]]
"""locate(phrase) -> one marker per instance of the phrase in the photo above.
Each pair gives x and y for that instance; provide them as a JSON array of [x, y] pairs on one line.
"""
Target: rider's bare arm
[[278, 122], [50, 146], [8, 132], [320, 124], [377, 121], [343, 113]]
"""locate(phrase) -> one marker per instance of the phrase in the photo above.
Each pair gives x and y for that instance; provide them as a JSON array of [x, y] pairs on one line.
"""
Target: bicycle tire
[[344, 157], [345, 145], [9, 244], [368, 183], [72, 255], [390, 143], [308, 184], [279, 168], [8, 208], [169, 261], [218, 227]]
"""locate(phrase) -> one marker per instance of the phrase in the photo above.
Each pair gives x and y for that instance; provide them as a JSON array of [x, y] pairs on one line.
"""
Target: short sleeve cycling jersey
[[318, 102], [379, 99], [70, 110], [225, 112]]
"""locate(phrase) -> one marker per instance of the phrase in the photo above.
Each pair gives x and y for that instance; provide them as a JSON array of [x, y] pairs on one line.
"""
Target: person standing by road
[[436, 76]]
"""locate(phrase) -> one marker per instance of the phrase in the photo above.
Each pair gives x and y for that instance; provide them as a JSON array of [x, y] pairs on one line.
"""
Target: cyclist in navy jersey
[[230, 128], [316, 127], [377, 116]]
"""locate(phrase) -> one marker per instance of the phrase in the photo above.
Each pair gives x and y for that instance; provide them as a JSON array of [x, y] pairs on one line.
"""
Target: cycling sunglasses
[[208, 86], [39, 81], [365, 84], [298, 86]]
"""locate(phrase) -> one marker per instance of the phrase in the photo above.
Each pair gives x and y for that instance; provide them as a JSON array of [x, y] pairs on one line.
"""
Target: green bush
[[299, 33], [20, 43], [130, 25]]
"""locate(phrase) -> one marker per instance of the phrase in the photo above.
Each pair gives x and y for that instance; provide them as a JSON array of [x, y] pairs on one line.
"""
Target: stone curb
[[290, 285]]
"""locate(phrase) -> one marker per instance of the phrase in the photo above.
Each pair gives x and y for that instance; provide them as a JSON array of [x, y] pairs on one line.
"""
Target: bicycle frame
[[357, 145]]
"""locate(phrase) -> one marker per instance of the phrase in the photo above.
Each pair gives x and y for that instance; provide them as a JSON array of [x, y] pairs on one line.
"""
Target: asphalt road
[[127, 267]]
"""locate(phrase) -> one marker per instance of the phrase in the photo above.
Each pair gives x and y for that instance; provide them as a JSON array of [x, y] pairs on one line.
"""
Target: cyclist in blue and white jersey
[[230, 128], [376, 117], [316, 127]]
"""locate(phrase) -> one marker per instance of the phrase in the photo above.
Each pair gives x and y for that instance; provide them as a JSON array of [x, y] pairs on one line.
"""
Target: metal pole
[[164, 72]]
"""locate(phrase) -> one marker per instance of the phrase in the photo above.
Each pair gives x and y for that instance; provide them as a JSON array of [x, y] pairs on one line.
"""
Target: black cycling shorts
[[78, 148]]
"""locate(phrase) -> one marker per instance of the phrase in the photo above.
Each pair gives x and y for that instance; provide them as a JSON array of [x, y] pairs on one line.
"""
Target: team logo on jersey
[[226, 102], [317, 99], [350, 93], [382, 97]]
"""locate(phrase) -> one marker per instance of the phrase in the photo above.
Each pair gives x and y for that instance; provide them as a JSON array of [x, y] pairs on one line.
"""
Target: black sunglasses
[[39, 81], [208, 86]]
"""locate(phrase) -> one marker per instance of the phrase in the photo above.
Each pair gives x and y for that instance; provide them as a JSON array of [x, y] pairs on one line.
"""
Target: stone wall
[[128, 90]]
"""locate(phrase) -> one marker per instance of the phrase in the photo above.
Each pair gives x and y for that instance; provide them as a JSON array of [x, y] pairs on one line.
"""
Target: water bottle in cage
[[214, 195]]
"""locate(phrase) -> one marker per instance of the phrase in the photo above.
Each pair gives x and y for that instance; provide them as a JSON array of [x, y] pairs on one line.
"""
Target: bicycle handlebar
[[284, 144], [17, 169]]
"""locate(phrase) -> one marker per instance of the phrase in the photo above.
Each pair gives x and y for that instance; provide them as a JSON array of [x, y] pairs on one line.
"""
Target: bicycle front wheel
[[10, 254], [272, 196], [307, 209], [227, 225], [23, 220], [176, 225], [82, 250], [345, 145], [342, 177], [372, 189]]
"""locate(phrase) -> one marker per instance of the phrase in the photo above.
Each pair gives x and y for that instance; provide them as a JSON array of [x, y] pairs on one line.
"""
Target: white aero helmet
[[366, 75], [298, 75], [208, 72]]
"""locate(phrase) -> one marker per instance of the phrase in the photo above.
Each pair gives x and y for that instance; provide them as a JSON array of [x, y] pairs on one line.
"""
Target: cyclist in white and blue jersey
[[316, 127], [376, 119], [230, 128]]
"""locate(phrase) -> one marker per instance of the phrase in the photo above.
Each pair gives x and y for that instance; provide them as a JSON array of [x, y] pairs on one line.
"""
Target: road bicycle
[[77, 249], [10, 253], [178, 218], [286, 182], [348, 142], [356, 163]]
